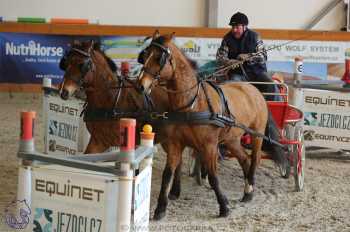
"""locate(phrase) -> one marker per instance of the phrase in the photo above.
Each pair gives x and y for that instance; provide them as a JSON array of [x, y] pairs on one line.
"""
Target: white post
[[125, 198], [298, 70], [46, 83], [127, 146], [24, 184], [147, 138], [26, 145]]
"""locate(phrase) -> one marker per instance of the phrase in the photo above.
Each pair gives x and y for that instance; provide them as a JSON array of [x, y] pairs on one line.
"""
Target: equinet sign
[[68, 190]]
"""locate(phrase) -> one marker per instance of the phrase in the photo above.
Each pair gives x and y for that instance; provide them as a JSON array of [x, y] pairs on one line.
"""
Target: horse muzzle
[[64, 94]]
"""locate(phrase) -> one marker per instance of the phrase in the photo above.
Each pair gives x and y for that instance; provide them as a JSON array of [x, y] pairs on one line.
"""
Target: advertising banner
[[64, 128], [124, 48], [28, 58], [311, 51], [66, 199], [326, 118]]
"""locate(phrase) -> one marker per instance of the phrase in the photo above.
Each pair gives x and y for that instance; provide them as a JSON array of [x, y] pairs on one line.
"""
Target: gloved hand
[[244, 56]]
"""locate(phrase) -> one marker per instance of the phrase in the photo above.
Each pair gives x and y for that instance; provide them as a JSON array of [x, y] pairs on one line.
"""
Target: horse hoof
[[224, 212], [158, 215], [247, 197], [173, 196]]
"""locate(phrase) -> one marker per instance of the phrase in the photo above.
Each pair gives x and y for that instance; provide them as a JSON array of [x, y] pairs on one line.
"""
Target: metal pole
[[147, 138], [26, 145], [298, 70], [127, 133], [323, 13]]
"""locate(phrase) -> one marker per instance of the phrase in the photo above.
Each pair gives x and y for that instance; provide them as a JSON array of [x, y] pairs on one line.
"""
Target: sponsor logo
[[311, 135], [42, 220], [310, 118], [214, 46], [191, 48], [336, 121], [63, 109], [57, 147], [76, 223], [68, 190], [45, 218], [63, 130], [327, 101], [20, 219], [32, 49]]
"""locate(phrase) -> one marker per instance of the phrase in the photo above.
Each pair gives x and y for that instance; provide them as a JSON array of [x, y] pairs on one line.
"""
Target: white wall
[[274, 14], [282, 14], [116, 12]]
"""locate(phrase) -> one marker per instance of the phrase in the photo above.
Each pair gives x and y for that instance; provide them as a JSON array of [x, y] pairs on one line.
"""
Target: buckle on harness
[[156, 115]]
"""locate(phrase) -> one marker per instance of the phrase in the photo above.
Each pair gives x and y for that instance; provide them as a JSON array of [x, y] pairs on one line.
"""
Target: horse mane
[[97, 47], [193, 63], [111, 64]]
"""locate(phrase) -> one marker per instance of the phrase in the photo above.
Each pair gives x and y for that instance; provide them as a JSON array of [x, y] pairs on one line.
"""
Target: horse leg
[[173, 161], [199, 171], [210, 161], [176, 187], [94, 147], [255, 161], [238, 151]]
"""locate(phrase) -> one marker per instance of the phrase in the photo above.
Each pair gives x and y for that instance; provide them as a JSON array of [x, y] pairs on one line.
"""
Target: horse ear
[[169, 37], [155, 35], [97, 46]]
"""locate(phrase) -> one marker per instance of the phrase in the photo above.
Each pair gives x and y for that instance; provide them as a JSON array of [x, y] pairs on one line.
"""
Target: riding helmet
[[239, 18]]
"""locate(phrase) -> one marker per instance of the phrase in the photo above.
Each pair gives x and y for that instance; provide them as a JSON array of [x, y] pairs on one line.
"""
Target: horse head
[[158, 62], [82, 64]]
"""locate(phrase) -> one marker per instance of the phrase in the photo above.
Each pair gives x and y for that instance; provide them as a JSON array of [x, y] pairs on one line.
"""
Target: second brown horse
[[164, 62]]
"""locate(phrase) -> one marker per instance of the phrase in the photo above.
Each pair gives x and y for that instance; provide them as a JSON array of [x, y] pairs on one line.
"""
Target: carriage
[[289, 120]]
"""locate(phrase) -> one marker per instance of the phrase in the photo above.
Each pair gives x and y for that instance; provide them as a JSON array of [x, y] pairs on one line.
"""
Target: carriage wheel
[[285, 168], [299, 159]]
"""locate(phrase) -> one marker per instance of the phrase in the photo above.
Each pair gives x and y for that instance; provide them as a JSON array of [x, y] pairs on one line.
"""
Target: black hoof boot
[[247, 197], [224, 211], [158, 215]]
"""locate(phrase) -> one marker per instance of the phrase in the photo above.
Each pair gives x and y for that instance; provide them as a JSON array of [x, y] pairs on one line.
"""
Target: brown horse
[[164, 62], [87, 67]]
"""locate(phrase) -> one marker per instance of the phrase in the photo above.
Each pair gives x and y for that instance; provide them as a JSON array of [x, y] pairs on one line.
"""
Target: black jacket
[[250, 42]]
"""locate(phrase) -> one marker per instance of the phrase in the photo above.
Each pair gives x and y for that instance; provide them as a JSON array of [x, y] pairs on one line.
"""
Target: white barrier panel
[[65, 131], [326, 117], [68, 199], [142, 200]]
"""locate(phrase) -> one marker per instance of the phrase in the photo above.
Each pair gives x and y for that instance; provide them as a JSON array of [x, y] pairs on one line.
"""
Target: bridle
[[85, 67], [165, 57]]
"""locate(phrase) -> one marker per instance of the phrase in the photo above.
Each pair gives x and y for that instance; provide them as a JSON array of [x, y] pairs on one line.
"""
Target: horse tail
[[276, 152]]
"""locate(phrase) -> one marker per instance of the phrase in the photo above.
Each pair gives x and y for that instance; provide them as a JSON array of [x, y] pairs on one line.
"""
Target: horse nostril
[[64, 94], [142, 88]]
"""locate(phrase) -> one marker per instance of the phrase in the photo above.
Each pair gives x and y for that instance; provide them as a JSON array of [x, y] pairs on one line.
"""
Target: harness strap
[[109, 114], [207, 97], [257, 134], [224, 103]]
